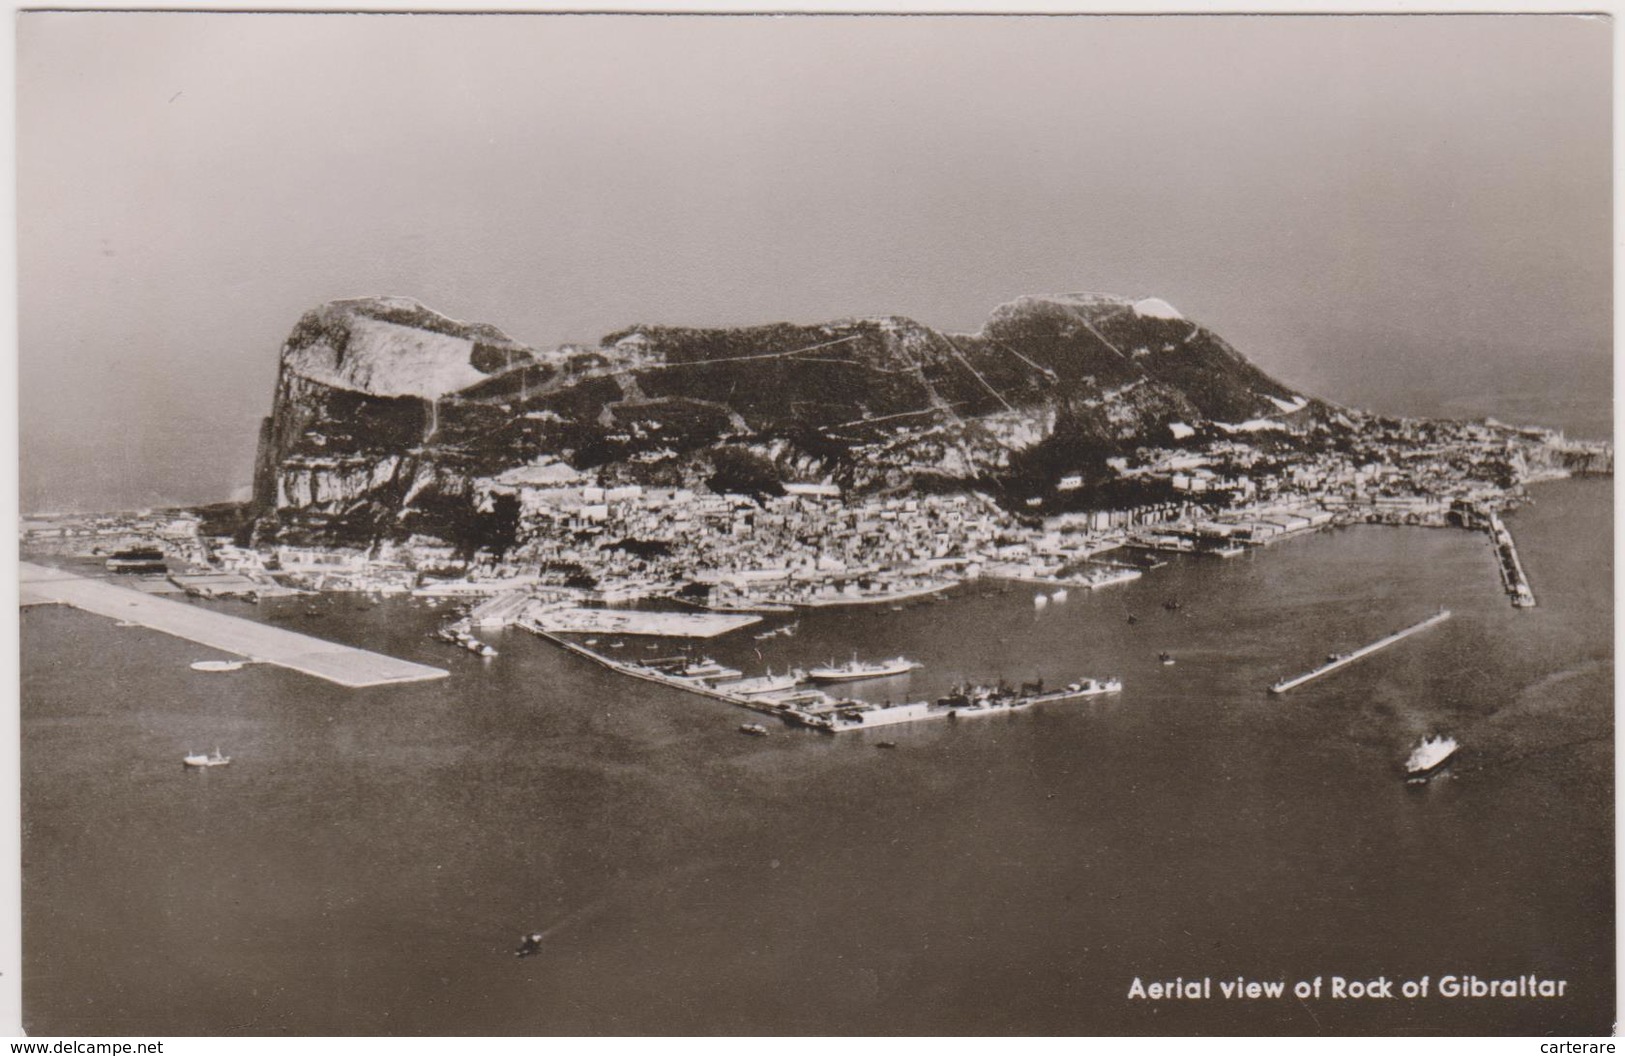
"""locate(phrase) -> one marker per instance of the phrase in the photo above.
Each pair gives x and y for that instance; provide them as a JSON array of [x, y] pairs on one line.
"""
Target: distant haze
[[1406, 213]]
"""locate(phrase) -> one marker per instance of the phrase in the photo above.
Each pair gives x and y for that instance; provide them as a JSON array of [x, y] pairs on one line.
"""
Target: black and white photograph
[[777, 525]]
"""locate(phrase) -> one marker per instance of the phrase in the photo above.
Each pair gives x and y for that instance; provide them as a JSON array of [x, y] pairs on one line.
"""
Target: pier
[[635, 621], [1090, 580], [764, 703], [1513, 579], [343, 664], [1345, 659], [805, 706]]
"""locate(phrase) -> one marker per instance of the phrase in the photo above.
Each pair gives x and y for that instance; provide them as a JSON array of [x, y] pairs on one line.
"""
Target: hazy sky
[[1398, 212]]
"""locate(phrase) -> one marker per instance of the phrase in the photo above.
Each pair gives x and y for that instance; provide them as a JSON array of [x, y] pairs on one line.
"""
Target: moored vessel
[[705, 670], [768, 683], [137, 559], [1085, 687], [854, 669]]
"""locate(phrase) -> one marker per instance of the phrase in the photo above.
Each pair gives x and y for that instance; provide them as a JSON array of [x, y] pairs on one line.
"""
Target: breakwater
[[1513, 580], [1344, 659]]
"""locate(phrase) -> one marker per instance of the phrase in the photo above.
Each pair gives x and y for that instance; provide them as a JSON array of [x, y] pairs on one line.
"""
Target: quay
[[689, 685], [623, 621], [1087, 581], [343, 664], [817, 710], [1513, 579], [1349, 658], [499, 610], [791, 602]]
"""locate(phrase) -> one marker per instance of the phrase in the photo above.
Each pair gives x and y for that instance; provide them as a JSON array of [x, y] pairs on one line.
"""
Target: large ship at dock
[[1087, 687], [971, 701], [855, 670], [137, 559], [768, 683], [704, 670]]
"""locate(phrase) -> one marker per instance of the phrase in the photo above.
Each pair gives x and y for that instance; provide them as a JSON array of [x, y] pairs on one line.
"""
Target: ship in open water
[[1430, 756]]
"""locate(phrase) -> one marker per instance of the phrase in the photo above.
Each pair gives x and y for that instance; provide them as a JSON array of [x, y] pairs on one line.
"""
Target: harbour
[[541, 792], [800, 704]]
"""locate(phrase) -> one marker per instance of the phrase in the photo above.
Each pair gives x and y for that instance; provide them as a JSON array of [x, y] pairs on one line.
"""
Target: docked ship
[[1085, 687], [970, 701], [855, 670], [137, 559], [768, 683], [458, 636], [857, 715], [706, 670], [1429, 757]]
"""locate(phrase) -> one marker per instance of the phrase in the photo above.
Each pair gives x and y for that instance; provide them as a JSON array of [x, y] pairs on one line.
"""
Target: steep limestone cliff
[[386, 411]]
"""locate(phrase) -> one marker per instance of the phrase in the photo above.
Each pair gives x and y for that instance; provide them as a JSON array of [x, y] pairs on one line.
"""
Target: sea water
[[370, 858]]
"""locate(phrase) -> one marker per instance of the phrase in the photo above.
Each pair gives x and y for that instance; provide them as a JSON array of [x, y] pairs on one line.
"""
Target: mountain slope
[[386, 412]]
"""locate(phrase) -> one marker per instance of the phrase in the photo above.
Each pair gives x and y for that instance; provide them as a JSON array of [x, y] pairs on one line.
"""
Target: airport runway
[[343, 664]]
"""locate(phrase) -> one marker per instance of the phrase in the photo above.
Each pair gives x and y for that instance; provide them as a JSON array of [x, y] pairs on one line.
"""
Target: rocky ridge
[[387, 415]]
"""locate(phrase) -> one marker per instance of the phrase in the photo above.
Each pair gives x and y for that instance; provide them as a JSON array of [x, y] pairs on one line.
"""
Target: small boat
[[1172, 604], [590, 641], [1166, 658], [1040, 600], [886, 744], [529, 945], [753, 729], [201, 760], [218, 665], [617, 645], [1133, 620], [1059, 595], [1430, 755]]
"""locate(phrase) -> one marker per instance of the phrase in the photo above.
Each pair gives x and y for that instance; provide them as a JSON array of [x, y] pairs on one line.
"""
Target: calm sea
[[367, 862]]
